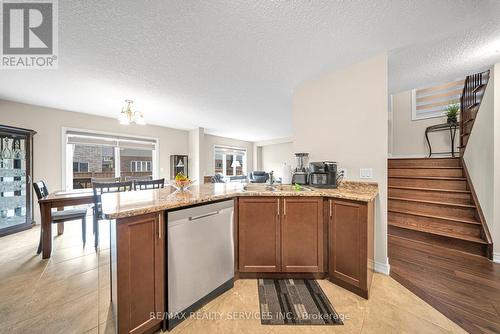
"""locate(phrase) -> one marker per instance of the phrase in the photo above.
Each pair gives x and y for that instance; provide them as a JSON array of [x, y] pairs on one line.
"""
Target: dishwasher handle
[[204, 215]]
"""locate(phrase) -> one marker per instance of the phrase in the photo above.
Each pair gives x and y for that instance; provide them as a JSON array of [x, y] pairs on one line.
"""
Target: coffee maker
[[323, 174], [300, 174]]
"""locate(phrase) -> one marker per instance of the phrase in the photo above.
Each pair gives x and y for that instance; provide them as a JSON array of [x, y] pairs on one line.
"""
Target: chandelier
[[127, 116]]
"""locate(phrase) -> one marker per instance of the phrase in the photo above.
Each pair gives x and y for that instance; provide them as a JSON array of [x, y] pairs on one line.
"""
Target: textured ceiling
[[231, 66]]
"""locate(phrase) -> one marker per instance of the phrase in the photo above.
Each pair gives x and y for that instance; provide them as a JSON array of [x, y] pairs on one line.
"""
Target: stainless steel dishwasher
[[200, 260]]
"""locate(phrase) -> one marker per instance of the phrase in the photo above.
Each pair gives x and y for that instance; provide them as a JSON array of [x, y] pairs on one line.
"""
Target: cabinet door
[[348, 242], [140, 276], [302, 234], [259, 234]]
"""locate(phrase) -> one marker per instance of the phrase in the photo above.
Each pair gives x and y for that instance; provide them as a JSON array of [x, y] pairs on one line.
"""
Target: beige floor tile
[[66, 269], [69, 318], [381, 314], [107, 328], [390, 291], [456, 329]]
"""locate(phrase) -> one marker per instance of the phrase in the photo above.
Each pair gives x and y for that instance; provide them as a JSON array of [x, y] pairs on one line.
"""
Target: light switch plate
[[366, 173]]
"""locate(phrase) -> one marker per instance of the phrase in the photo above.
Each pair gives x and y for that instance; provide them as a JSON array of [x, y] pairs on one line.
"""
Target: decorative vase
[[452, 120]]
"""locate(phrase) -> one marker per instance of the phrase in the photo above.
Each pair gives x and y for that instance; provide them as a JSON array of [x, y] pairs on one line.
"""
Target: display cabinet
[[178, 164], [16, 168]]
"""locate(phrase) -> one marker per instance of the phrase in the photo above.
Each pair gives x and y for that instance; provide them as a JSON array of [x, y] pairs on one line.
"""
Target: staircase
[[430, 200]]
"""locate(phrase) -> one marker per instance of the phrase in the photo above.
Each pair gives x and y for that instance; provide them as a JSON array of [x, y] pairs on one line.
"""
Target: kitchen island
[[271, 231]]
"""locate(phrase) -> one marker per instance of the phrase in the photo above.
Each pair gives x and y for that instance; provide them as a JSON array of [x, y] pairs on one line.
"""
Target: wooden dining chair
[[60, 216], [150, 184], [100, 188]]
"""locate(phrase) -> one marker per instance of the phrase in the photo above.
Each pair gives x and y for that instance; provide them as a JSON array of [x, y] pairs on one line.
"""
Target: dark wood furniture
[[280, 234], [452, 127], [179, 164], [60, 216], [59, 200], [138, 272], [351, 242], [259, 236], [149, 184], [16, 174], [101, 188]]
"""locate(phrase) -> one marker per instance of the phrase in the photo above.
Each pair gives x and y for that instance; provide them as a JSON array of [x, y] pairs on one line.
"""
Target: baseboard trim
[[496, 257], [383, 268]]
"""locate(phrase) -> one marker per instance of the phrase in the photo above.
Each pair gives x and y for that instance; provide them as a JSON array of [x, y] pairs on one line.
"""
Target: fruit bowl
[[181, 184]]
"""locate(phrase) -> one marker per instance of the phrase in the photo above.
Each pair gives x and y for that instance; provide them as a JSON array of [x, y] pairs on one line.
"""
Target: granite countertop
[[132, 203]]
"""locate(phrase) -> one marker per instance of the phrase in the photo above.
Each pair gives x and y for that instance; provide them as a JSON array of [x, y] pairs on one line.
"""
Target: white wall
[[480, 155], [342, 116], [496, 182], [195, 140], [273, 156], [407, 137], [48, 123], [210, 141]]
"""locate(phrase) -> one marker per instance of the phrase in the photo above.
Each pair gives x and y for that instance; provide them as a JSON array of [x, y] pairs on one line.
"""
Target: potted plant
[[452, 112]]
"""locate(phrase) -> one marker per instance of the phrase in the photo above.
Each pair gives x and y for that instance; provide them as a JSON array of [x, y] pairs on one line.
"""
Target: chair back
[[149, 184], [100, 188], [104, 180], [218, 178], [40, 189], [138, 178]]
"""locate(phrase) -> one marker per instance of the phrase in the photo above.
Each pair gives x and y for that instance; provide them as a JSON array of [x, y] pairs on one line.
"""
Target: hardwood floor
[[464, 287]]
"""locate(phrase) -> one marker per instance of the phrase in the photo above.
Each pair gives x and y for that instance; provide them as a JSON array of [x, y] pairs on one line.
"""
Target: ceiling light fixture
[[127, 116]]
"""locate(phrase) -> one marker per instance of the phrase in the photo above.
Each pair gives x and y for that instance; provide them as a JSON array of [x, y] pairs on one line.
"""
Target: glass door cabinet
[[16, 168]]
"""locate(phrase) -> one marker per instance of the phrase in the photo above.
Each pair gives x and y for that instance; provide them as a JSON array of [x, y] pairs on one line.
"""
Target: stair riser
[[432, 209], [405, 163], [425, 183], [461, 245], [448, 197], [425, 172], [440, 225]]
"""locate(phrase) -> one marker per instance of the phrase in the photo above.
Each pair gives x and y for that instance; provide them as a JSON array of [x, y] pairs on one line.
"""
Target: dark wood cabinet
[[16, 175], [302, 235], [137, 272], [280, 234], [259, 234], [351, 245]]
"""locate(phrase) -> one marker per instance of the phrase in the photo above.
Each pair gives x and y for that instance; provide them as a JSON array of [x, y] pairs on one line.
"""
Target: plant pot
[[452, 120]]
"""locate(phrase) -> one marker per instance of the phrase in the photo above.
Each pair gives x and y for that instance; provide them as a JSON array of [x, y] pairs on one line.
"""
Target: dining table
[[59, 200]]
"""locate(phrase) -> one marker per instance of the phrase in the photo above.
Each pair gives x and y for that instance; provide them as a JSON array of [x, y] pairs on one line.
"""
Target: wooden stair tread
[[430, 178], [432, 202], [430, 167], [426, 215], [468, 120], [431, 189], [437, 232], [464, 134], [444, 249]]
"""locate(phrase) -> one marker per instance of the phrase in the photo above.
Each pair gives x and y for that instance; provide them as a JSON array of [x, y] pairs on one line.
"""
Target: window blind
[[432, 101], [86, 138]]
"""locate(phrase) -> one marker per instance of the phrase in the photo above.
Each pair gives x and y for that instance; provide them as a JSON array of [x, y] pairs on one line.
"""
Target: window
[[230, 161], [91, 155], [140, 166], [80, 166], [432, 101]]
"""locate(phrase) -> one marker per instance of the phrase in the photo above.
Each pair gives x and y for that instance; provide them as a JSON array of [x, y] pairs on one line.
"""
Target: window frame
[[66, 166], [230, 150]]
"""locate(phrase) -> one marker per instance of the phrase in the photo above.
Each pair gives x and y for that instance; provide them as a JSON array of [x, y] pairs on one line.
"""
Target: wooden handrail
[[470, 100]]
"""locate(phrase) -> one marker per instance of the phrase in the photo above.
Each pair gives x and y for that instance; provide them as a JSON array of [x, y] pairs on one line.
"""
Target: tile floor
[[69, 293]]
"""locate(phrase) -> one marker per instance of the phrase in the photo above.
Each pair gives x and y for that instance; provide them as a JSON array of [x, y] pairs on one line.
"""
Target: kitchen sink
[[260, 187], [276, 187], [290, 187]]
